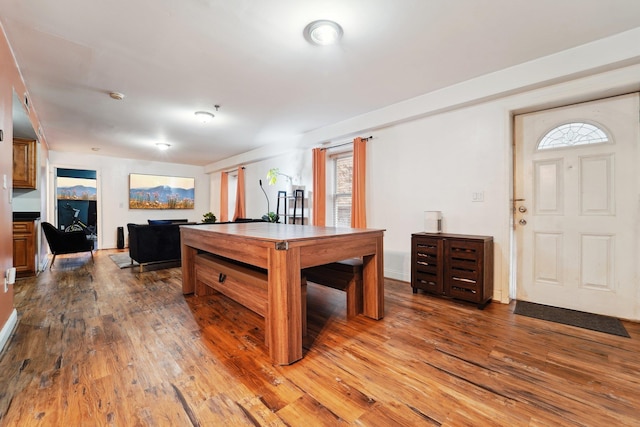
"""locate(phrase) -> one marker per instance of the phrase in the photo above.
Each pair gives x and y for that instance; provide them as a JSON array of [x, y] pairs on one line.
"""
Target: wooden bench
[[345, 275], [245, 284]]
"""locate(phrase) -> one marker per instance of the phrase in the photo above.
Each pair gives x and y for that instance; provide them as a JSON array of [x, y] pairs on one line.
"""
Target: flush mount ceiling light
[[204, 116], [323, 32], [162, 146]]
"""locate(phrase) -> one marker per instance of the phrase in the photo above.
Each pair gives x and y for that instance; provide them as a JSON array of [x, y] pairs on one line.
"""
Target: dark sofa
[[157, 241]]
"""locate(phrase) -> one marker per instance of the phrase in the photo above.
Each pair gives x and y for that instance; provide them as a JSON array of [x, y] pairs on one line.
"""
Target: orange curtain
[[240, 211], [224, 197], [319, 186], [358, 193]]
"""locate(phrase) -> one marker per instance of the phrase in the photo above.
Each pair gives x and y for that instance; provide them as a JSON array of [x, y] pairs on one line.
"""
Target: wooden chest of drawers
[[454, 265]]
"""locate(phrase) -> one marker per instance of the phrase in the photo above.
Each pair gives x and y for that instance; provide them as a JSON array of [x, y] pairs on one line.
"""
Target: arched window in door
[[572, 134]]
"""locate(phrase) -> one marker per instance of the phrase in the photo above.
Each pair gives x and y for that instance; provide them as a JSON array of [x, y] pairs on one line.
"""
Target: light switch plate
[[477, 196], [11, 275]]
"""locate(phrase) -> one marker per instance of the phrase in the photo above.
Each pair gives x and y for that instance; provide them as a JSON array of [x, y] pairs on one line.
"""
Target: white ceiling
[[172, 58]]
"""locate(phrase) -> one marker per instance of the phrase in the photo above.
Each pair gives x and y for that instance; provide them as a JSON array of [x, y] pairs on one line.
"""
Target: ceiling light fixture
[[323, 32], [162, 146], [117, 96], [204, 116]]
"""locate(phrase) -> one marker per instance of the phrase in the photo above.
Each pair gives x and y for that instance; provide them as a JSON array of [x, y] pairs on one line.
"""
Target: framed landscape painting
[[160, 192]]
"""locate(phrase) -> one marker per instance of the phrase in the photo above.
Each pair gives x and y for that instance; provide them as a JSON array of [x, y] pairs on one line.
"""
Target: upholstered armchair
[[66, 243]]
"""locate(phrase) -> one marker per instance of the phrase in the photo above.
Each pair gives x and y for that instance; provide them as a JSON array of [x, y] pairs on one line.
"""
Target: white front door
[[576, 207]]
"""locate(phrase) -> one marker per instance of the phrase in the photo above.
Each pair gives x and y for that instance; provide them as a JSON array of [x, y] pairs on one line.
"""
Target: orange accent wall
[[10, 79]]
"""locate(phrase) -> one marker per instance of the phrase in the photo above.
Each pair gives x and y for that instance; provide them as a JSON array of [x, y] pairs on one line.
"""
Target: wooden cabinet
[[24, 163], [453, 265], [24, 248]]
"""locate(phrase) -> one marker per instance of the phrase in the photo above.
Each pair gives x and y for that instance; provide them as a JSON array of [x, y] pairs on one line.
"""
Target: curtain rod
[[344, 143], [232, 170]]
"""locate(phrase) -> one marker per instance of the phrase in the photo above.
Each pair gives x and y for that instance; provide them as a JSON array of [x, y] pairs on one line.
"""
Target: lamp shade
[[433, 221]]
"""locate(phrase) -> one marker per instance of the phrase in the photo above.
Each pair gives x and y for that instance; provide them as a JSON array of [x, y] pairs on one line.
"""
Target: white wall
[[295, 163], [428, 153], [436, 163], [436, 160], [113, 187], [26, 200]]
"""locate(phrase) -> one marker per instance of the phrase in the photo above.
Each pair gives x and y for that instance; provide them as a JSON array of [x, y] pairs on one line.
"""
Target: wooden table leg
[[188, 269], [284, 309], [373, 283]]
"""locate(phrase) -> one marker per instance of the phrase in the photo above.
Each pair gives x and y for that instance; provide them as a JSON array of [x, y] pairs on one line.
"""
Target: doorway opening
[[76, 201]]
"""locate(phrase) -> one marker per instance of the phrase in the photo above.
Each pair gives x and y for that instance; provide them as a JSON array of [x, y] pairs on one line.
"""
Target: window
[[343, 169], [571, 134]]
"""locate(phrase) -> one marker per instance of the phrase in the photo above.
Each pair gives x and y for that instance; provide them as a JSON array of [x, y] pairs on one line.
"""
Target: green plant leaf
[[272, 175]]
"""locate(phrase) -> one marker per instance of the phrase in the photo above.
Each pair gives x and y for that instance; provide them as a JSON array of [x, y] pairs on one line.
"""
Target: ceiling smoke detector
[[117, 95]]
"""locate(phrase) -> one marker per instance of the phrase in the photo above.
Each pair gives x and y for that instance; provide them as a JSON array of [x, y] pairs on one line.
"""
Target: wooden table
[[283, 250]]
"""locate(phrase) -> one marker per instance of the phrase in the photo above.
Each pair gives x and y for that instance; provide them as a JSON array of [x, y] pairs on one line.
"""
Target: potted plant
[[209, 218], [271, 217]]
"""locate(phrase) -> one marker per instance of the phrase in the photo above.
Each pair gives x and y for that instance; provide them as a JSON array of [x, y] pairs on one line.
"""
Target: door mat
[[580, 319], [123, 260]]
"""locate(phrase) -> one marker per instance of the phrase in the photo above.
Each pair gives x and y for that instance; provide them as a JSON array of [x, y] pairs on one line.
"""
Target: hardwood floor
[[96, 345]]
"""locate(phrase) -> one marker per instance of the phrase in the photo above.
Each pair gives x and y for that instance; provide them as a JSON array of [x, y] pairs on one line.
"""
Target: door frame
[[513, 241], [52, 213]]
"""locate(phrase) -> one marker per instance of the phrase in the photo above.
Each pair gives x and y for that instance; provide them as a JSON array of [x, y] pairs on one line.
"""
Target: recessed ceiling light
[[323, 32], [117, 96], [204, 116], [162, 146]]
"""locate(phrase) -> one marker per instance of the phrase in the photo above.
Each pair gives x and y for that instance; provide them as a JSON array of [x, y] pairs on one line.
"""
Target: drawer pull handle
[[222, 278]]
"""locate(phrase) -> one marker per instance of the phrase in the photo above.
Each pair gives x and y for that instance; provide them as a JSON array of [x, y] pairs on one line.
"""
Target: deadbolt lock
[[522, 209]]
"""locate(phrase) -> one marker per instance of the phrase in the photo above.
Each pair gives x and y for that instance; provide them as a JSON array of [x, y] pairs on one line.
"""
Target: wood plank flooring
[[100, 346]]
